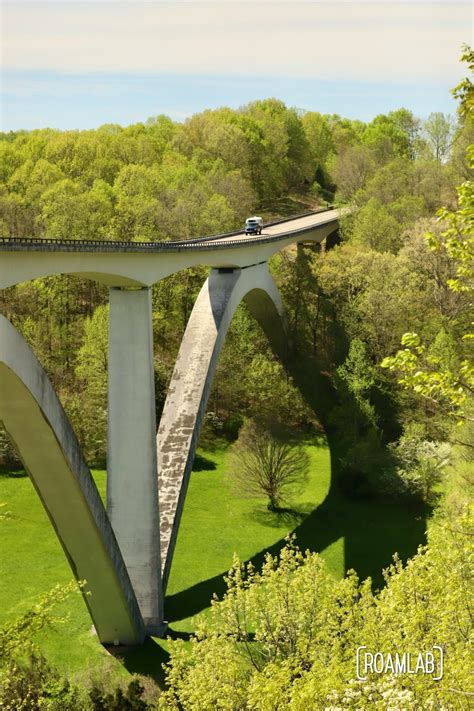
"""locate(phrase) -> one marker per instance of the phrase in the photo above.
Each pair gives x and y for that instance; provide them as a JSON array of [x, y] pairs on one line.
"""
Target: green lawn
[[215, 524]]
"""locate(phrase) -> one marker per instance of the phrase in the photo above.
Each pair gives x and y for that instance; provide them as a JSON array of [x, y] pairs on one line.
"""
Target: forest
[[380, 331]]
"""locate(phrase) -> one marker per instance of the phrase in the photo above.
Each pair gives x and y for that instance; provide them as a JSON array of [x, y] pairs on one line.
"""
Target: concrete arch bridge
[[124, 552]]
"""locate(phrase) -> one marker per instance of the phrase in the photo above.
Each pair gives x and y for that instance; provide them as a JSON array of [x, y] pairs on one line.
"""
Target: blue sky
[[69, 64]]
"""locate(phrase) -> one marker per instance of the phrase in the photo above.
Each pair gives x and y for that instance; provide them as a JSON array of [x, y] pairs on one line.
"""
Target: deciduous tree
[[266, 462]]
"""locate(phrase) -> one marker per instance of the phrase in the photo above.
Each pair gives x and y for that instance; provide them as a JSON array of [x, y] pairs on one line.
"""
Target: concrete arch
[[191, 382], [37, 424]]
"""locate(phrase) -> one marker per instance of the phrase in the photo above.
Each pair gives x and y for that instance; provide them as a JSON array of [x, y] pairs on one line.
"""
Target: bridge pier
[[132, 491], [127, 580]]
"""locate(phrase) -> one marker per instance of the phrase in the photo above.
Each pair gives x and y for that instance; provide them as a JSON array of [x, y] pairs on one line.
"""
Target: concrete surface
[[190, 385], [38, 426], [128, 572], [132, 491], [130, 267]]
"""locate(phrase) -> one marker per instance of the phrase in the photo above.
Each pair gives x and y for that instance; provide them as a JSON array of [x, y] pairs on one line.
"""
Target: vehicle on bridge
[[253, 226]]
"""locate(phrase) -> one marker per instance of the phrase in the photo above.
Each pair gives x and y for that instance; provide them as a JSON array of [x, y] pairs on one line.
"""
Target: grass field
[[215, 524]]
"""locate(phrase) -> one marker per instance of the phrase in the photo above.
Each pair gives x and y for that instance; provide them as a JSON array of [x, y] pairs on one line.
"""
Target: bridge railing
[[266, 224], [116, 245]]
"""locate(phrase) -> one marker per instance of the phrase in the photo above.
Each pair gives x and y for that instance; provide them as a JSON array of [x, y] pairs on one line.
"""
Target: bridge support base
[[132, 492]]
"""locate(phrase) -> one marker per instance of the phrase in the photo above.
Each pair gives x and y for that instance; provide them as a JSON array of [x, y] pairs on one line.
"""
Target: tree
[[265, 461], [351, 169], [319, 137], [69, 212], [404, 120], [438, 130], [287, 636], [88, 414], [386, 139], [427, 373], [420, 462], [374, 227]]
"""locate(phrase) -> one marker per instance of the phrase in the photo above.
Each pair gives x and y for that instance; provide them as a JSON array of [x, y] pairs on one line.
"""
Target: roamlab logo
[[430, 662]]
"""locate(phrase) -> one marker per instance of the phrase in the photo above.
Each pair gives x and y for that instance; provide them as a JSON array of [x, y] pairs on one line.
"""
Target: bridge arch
[[190, 385], [124, 574], [37, 424]]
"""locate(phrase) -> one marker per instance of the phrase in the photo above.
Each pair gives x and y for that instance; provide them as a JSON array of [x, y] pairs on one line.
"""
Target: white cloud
[[383, 41]]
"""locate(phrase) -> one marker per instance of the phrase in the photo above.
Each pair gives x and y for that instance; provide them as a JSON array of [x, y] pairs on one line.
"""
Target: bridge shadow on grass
[[147, 659], [373, 530], [202, 463]]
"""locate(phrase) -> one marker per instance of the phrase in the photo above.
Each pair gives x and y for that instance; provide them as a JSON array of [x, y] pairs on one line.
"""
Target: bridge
[[125, 551]]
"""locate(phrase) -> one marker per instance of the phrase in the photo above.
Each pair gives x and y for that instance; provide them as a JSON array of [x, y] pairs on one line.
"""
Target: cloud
[[315, 40]]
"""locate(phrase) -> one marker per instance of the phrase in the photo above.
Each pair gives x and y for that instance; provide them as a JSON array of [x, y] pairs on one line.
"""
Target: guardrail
[[198, 243]]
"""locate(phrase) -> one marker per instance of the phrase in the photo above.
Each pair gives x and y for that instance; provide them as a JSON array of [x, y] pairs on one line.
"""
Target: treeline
[[347, 308], [157, 180], [286, 637], [162, 180]]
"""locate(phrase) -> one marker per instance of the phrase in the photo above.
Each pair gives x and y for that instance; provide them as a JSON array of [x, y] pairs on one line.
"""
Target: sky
[[68, 64]]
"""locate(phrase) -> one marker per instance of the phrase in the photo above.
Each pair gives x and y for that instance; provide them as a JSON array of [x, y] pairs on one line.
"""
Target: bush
[[118, 700], [34, 684], [420, 463], [286, 637]]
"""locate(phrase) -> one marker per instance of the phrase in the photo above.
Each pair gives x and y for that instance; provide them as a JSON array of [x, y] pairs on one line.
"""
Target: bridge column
[[132, 492]]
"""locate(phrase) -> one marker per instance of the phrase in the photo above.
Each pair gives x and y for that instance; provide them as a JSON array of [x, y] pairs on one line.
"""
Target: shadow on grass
[[147, 659], [373, 530], [13, 473], [202, 463], [290, 517]]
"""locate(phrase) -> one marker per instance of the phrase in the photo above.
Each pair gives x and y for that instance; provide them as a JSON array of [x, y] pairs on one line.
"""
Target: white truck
[[253, 226]]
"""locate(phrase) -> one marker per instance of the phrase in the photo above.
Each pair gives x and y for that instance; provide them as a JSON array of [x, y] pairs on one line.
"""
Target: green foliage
[[428, 373], [376, 228], [431, 377], [438, 130], [319, 136], [266, 461], [420, 463], [89, 413], [70, 212], [27, 681], [35, 685], [271, 392], [368, 291], [457, 238], [447, 382], [286, 637], [130, 700], [362, 454], [8, 456], [358, 374], [17, 637], [351, 169], [464, 91]]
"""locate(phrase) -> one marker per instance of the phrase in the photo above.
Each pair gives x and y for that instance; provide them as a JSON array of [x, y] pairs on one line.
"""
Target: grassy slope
[[216, 523]]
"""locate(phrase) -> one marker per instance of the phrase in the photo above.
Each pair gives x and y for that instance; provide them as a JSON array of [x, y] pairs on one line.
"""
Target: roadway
[[132, 264], [282, 228]]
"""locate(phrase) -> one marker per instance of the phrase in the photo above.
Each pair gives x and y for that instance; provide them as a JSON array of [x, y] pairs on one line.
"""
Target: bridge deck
[[272, 232], [133, 264]]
